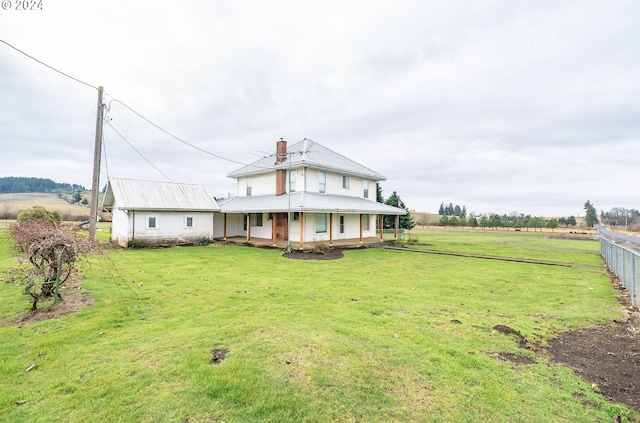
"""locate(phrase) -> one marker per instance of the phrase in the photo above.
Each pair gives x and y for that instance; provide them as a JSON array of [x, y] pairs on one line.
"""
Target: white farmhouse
[[147, 213], [304, 194]]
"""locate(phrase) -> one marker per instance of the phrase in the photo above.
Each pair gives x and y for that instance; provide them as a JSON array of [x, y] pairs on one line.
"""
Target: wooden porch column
[[248, 227], [330, 229], [273, 229], [301, 230], [361, 228], [225, 227], [396, 226], [381, 227]]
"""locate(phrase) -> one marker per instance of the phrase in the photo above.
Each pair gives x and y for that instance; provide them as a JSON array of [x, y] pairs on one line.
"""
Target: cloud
[[500, 106]]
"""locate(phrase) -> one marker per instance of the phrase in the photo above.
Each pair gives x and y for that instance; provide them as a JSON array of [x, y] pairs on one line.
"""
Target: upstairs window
[[249, 184], [365, 185], [292, 181], [322, 182], [346, 181]]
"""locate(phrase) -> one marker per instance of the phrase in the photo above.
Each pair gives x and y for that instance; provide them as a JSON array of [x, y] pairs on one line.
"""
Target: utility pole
[[97, 153]]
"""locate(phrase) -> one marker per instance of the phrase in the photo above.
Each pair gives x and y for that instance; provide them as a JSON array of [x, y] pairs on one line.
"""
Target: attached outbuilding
[[150, 213]]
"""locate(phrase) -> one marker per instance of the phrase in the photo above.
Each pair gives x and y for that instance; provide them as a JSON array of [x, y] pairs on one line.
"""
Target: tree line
[[20, 184]]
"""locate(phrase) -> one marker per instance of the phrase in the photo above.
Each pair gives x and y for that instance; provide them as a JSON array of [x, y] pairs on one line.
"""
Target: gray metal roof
[[134, 194], [310, 154], [306, 202]]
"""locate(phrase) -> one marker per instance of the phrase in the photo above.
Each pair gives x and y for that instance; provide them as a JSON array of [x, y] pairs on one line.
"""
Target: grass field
[[12, 204], [378, 336]]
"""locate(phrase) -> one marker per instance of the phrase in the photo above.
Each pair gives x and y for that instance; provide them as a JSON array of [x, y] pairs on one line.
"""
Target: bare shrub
[[321, 248], [52, 250]]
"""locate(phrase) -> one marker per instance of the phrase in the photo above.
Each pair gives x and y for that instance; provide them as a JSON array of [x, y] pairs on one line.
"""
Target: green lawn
[[368, 338]]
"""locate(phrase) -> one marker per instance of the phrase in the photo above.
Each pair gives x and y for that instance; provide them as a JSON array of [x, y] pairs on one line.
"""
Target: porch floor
[[338, 243]]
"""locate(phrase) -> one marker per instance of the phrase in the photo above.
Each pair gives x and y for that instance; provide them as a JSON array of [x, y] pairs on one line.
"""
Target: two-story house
[[304, 194]]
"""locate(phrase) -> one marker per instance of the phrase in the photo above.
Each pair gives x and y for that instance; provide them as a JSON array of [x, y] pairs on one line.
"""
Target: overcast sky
[[500, 106]]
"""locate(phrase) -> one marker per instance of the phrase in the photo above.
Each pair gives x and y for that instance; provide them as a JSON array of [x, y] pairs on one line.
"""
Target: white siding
[[264, 184], [132, 227]]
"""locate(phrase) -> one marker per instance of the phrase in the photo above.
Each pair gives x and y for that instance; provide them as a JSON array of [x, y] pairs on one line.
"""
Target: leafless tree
[[52, 250]]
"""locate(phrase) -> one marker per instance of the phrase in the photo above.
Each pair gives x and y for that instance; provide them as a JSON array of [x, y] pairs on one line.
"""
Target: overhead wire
[[136, 113], [50, 67], [137, 151], [174, 136]]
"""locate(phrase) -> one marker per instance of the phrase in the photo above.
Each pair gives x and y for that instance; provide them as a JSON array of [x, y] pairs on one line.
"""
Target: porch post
[[273, 229], [396, 226], [302, 230], [381, 227], [360, 228], [330, 229], [248, 227], [224, 236]]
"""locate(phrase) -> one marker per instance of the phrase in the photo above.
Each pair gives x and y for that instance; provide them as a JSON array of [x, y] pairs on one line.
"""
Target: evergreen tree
[[591, 218], [464, 211], [449, 210], [406, 221], [379, 197], [457, 211], [441, 209]]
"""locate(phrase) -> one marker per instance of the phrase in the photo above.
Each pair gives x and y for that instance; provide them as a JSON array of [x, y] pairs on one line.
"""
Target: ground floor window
[[256, 219], [365, 222], [321, 223], [188, 221], [152, 222], [341, 224]]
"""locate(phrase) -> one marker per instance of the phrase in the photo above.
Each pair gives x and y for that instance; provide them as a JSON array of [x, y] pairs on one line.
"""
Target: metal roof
[[309, 153], [134, 194], [306, 202]]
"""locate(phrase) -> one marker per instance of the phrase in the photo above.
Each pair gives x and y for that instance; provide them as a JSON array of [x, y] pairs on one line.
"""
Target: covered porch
[[304, 220]]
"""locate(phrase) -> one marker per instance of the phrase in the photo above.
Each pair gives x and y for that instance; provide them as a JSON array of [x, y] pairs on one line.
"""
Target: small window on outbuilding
[[188, 221], [152, 222]]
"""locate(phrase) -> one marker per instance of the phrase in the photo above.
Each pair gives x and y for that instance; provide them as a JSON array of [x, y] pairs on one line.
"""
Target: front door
[[341, 227], [281, 226]]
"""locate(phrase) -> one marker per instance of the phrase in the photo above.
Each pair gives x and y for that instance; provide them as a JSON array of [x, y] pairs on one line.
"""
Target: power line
[[50, 67], [136, 150], [174, 136]]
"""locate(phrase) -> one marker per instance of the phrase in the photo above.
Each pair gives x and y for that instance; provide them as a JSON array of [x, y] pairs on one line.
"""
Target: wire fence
[[624, 262]]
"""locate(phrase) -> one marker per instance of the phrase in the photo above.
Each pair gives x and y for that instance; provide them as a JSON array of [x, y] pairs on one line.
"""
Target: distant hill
[[19, 184], [12, 204]]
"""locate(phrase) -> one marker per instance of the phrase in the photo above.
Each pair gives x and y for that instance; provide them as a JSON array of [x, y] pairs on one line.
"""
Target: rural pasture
[[240, 334]]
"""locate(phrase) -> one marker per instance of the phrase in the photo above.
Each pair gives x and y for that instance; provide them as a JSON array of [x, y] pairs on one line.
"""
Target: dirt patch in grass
[[74, 298], [218, 356], [515, 358], [607, 356], [332, 254]]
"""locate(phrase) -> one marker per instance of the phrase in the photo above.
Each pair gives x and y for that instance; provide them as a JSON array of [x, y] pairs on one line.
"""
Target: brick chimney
[[281, 151], [281, 174]]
